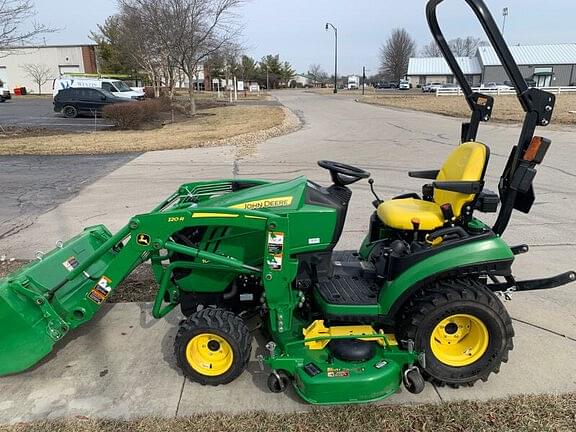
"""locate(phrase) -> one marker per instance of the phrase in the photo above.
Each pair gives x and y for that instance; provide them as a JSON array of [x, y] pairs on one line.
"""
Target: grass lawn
[[506, 108], [523, 413], [213, 126]]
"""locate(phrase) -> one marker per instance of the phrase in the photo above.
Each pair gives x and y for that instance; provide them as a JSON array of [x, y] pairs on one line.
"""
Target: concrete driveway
[[121, 365], [38, 112]]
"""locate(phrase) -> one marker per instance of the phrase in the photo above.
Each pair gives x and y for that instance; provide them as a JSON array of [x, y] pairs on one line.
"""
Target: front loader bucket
[[41, 302]]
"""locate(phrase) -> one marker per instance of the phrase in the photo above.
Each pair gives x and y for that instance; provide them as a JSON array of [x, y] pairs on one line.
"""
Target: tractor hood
[[279, 196]]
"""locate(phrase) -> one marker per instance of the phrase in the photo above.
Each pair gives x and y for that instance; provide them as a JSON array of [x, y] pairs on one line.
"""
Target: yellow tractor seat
[[399, 213], [464, 169]]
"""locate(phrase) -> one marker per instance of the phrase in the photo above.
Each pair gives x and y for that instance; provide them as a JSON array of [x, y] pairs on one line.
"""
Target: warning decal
[[275, 250], [101, 291]]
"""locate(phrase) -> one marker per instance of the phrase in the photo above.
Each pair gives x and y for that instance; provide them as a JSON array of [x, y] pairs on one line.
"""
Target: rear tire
[[213, 346], [462, 328], [70, 111]]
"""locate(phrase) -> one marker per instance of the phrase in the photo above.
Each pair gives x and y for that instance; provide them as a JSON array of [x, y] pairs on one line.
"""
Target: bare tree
[[465, 47], [39, 73], [15, 26], [395, 54], [317, 73], [212, 25], [181, 35], [431, 50], [461, 47], [141, 43]]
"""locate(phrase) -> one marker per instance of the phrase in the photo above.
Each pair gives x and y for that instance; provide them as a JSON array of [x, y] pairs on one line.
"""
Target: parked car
[[450, 86], [384, 85], [75, 101], [404, 85], [4, 91], [496, 86], [431, 87], [531, 83], [116, 87]]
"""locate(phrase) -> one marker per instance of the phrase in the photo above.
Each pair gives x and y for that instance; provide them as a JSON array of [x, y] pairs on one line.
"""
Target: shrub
[[132, 115], [149, 93]]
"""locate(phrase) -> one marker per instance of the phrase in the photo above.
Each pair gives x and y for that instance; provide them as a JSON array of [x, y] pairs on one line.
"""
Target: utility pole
[[504, 15], [328, 25]]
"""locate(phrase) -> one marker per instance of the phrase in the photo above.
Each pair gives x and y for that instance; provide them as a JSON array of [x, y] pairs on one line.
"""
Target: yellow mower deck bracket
[[318, 330]]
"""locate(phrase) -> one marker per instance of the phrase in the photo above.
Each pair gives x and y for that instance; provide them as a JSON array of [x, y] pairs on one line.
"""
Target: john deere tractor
[[418, 300]]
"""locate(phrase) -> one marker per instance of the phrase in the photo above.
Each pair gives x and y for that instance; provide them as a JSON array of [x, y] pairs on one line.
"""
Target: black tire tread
[[225, 322], [443, 292]]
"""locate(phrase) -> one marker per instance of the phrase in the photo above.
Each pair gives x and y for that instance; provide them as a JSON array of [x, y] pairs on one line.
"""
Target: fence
[[498, 91]]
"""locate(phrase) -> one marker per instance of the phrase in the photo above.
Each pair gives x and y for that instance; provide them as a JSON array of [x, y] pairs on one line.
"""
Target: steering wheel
[[342, 174]]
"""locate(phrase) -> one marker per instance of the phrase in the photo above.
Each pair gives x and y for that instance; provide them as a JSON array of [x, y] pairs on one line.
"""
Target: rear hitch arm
[[534, 284]]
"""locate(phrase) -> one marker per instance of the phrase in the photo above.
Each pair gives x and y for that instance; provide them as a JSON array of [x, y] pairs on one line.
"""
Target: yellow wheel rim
[[209, 354], [459, 340]]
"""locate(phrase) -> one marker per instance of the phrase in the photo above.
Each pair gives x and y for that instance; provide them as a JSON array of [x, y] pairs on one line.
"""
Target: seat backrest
[[466, 163]]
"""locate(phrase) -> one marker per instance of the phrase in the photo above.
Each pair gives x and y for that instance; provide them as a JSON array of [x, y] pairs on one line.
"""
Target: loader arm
[[66, 287]]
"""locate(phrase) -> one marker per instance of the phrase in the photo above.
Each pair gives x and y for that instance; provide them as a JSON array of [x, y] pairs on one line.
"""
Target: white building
[[545, 65], [58, 59]]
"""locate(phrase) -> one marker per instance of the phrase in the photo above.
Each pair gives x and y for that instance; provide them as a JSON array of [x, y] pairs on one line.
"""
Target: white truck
[[4, 91], [353, 82], [116, 87]]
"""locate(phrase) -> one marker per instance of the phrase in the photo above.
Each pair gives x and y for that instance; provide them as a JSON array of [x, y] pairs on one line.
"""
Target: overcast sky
[[295, 29]]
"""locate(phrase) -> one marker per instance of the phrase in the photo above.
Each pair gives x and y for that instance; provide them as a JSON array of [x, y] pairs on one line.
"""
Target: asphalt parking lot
[[38, 112]]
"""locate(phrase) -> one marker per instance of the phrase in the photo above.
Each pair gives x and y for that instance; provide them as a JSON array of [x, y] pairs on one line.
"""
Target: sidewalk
[[122, 366]]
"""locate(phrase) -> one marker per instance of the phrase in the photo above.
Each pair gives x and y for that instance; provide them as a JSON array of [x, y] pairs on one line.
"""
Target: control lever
[[416, 227], [378, 201]]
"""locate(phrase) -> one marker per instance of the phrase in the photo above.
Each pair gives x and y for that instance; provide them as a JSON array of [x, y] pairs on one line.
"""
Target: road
[[33, 185], [38, 112], [110, 365]]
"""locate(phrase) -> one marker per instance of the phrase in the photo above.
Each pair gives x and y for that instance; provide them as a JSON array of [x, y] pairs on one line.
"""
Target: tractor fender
[[486, 256]]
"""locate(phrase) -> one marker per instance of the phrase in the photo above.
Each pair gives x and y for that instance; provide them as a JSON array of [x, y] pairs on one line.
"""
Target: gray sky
[[295, 29]]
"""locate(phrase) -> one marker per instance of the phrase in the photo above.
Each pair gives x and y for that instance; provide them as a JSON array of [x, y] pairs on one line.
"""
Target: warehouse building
[[57, 60], [546, 65]]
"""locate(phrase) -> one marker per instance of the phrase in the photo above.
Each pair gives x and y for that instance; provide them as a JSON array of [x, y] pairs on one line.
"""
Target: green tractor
[[418, 300]]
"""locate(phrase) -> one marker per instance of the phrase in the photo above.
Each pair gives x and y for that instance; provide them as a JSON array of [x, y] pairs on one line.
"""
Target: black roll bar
[[537, 104], [491, 28]]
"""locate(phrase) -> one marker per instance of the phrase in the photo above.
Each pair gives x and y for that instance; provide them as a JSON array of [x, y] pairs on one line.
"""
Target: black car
[[384, 85], [74, 101]]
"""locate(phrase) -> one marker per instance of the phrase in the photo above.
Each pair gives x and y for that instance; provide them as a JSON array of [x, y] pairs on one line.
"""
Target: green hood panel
[[280, 197]]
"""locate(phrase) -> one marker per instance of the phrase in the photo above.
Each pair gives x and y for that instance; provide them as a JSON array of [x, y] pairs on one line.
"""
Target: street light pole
[[504, 15], [328, 25]]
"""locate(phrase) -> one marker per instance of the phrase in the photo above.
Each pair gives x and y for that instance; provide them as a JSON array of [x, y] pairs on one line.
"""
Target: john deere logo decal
[[265, 203], [143, 239]]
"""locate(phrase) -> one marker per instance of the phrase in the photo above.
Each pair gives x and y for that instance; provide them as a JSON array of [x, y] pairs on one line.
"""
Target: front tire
[[70, 111], [462, 328], [213, 346]]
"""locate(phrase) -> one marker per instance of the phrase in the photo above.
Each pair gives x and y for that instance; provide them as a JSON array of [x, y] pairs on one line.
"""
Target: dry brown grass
[[506, 108], [211, 127], [522, 413], [225, 95]]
